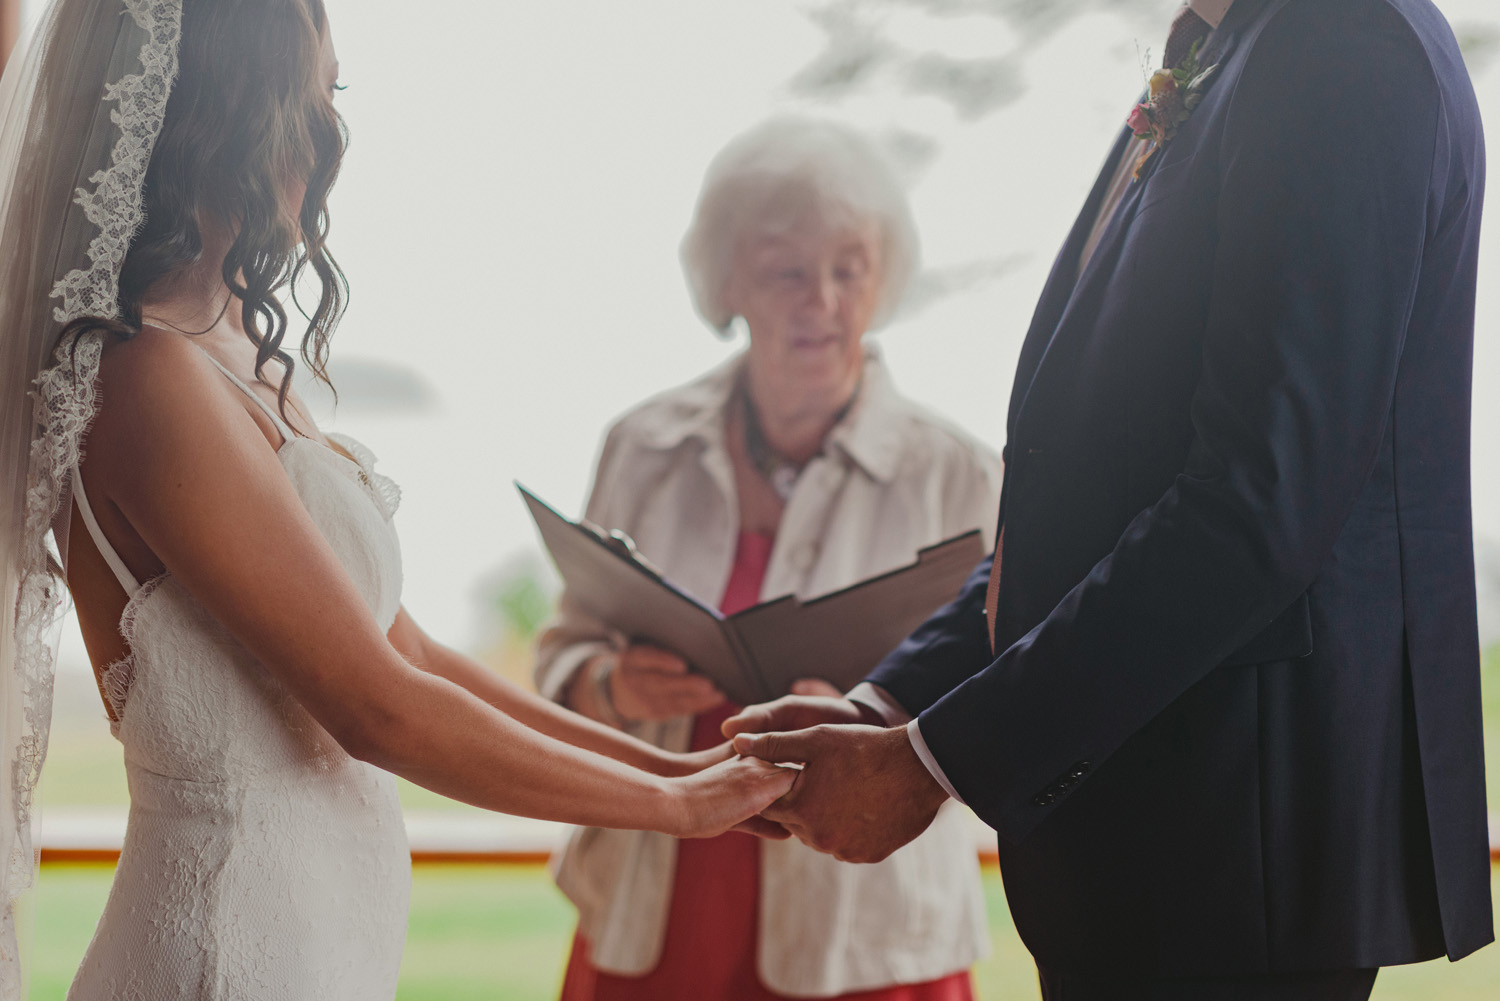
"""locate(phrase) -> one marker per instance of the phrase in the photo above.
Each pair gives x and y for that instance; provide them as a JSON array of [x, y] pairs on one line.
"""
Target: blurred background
[[509, 213]]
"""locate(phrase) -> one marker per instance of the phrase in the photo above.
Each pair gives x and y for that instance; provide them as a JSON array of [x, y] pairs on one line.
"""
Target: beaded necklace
[[777, 470]]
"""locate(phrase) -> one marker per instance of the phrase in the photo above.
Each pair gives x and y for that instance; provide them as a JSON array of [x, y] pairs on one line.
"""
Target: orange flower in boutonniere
[[1174, 95]]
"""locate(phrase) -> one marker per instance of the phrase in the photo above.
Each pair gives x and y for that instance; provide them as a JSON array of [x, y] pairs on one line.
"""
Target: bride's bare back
[[112, 461]]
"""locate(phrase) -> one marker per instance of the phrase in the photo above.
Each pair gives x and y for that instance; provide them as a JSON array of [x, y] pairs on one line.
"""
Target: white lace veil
[[81, 108]]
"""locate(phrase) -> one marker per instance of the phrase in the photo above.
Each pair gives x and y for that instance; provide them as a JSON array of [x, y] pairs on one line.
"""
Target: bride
[[166, 165]]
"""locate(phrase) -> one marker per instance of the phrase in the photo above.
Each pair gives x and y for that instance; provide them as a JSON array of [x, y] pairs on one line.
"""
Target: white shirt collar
[[1212, 11], [872, 433]]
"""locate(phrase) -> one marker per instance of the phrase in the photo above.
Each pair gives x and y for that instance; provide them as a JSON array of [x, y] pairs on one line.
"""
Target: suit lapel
[[1061, 282], [1066, 283]]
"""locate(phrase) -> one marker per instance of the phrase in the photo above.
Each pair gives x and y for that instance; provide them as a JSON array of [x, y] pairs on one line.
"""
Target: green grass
[[68, 903], [501, 933]]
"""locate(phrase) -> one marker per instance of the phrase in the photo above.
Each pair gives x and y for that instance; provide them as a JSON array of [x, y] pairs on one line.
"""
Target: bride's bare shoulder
[[146, 355], [159, 384]]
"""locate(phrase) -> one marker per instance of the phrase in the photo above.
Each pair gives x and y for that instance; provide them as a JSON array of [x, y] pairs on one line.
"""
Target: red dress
[[713, 925]]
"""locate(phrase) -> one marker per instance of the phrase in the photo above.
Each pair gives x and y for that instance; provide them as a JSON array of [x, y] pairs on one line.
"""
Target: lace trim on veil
[[64, 397]]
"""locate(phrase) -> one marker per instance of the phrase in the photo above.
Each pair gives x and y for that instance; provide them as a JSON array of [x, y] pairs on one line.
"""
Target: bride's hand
[[730, 796], [673, 764]]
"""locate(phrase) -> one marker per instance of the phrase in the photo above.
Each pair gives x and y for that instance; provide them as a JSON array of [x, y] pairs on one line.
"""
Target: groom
[[1219, 692]]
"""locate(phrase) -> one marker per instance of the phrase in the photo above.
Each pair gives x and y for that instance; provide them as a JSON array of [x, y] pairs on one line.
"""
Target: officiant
[[796, 467]]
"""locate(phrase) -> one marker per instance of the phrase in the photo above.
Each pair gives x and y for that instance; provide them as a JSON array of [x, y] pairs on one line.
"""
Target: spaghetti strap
[[281, 426], [80, 496], [122, 573]]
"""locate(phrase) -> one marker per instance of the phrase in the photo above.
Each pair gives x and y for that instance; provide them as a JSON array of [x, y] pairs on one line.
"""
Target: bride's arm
[[536, 712], [193, 475]]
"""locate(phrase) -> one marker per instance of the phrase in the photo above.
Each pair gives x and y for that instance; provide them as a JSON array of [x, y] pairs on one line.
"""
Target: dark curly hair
[[249, 119]]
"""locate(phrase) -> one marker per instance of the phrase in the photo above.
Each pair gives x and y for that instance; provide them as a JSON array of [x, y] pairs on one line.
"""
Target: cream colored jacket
[[890, 480]]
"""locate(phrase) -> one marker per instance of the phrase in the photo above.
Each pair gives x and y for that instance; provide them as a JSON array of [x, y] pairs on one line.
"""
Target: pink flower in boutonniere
[[1174, 95]]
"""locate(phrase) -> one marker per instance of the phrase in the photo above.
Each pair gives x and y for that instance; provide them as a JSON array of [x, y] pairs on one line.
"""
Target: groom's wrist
[[872, 699], [921, 788]]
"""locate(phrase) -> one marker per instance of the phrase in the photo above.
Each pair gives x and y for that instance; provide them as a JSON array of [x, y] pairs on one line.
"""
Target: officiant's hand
[[644, 684], [863, 791]]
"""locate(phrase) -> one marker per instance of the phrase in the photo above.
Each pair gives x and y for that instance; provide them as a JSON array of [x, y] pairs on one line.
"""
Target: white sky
[[520, 176]]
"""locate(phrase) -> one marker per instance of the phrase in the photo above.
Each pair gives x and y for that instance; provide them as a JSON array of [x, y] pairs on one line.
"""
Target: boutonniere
[[1174, 95]]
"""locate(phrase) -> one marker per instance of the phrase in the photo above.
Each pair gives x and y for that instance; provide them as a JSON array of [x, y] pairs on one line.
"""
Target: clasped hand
[[862, 793]]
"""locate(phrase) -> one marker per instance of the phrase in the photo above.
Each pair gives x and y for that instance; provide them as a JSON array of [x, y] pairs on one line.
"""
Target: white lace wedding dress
[[261, 861]]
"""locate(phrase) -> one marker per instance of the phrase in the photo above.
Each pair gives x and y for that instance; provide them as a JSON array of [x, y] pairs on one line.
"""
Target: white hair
[[795, 164]]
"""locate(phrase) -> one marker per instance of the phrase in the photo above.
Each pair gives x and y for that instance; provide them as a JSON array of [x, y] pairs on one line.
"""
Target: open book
[[753, 655]]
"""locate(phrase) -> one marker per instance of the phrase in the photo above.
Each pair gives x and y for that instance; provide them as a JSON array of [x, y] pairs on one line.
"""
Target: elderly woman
[[794, 468]]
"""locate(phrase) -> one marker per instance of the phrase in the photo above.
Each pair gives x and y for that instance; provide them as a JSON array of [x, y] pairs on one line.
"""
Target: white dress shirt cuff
[[914, 734], [877, 698]]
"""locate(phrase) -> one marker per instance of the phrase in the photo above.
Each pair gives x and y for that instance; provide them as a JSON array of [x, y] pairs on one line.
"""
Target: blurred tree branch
[[860, 49], [868, 47]]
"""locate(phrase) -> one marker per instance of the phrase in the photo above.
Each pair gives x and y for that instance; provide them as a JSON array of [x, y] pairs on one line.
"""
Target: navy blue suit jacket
[[1234, 724]]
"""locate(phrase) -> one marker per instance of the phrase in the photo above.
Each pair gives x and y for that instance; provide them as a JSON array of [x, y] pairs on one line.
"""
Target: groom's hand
[[863, 791]]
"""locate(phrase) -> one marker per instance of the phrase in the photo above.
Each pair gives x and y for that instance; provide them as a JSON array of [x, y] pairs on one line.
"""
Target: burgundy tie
[[1187, 29]]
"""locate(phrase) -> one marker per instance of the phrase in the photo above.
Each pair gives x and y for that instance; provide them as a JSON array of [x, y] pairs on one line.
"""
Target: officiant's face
[[807, 291]]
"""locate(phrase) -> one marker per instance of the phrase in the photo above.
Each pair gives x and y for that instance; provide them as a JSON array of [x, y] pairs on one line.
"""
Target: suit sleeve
[[1325, 172]]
